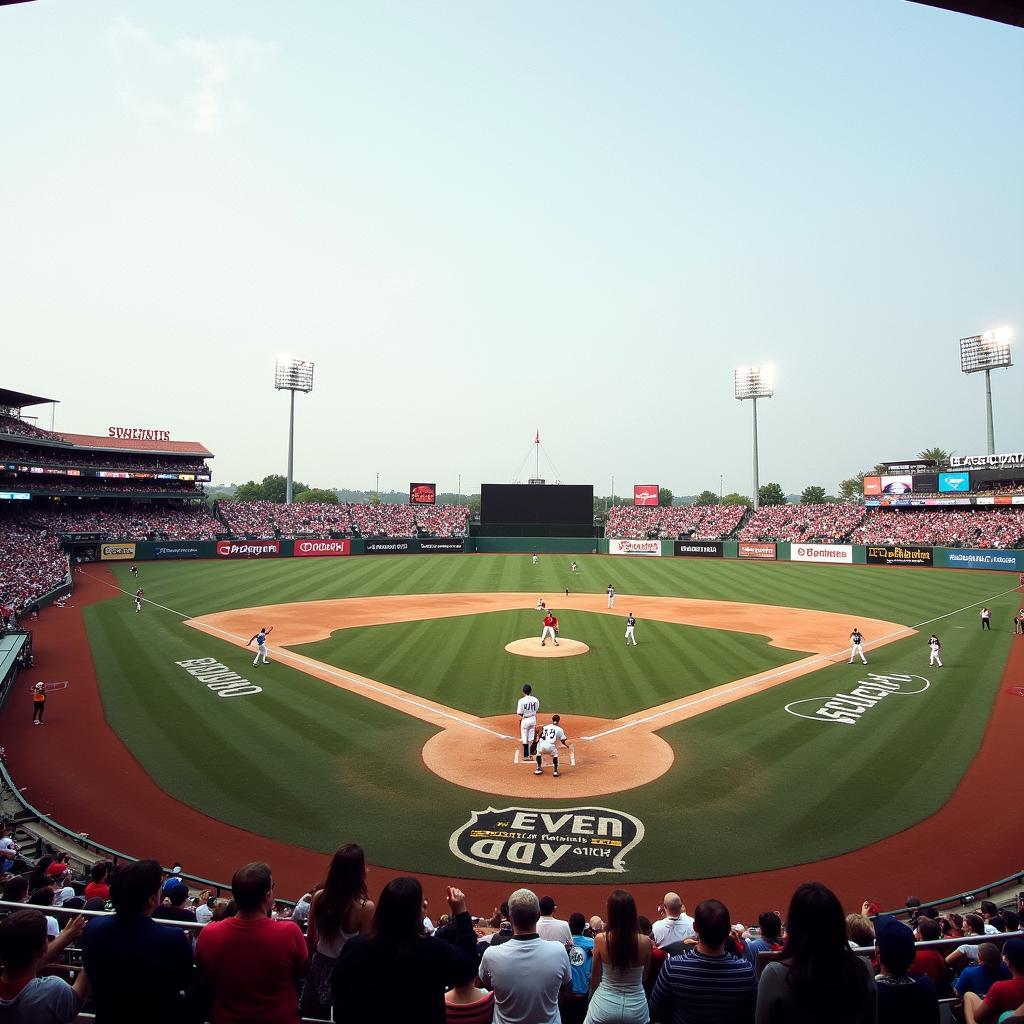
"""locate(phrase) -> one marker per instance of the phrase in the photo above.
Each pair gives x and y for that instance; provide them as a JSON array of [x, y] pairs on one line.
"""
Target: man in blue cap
[[902, 998]]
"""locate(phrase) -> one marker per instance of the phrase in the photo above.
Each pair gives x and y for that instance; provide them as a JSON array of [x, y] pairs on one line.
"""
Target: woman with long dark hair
[[338, 911], [622, 958], [817, 977], [396, 973]]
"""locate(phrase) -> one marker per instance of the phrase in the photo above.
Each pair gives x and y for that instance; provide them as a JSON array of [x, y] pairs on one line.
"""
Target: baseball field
[[733, 740]]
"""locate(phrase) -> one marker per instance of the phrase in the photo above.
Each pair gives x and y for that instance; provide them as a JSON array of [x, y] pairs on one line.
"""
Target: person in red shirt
[[930, 962], [550, 628], [1003, 996], [97, 887], [250, 965]]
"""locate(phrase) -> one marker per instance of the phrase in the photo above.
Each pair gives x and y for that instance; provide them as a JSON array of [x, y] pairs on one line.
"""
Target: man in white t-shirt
[[550, 927], [676, 925], [526, 973], [527, 709]]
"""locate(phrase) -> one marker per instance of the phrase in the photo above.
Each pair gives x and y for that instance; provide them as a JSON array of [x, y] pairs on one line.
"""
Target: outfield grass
[[752, 787]]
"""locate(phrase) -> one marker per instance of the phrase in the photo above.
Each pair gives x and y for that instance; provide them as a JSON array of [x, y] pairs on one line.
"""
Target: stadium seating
[[702, 522], [949, 527], [31, 564], [19, 428], [802, 523]]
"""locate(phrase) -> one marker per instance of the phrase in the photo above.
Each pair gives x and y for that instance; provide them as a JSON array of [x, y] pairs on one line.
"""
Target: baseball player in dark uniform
[[138, 599], [856, 646], [630, 626]]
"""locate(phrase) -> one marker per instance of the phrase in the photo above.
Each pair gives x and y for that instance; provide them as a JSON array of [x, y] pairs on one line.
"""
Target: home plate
[[531, 648]]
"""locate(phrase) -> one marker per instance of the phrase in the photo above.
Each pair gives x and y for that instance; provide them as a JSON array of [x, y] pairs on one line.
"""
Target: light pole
[[985, 353], [292, 375], [754, 382]]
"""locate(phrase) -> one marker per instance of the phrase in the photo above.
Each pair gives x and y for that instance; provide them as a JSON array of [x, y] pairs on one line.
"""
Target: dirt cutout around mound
[[531, 647], [610, 755]]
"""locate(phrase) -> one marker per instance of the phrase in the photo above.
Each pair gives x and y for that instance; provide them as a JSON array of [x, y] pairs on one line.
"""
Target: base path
[[611, 756]]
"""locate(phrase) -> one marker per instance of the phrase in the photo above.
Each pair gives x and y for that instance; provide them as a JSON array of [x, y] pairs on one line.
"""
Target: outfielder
[[630, 624], [527, 709], [261, 644], [550, 736], [550, 628], [611, 596], [934, 647], [856, 648], [572, 566], [138, 599]]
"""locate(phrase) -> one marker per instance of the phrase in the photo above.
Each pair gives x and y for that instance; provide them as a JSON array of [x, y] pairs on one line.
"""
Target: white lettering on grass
[[220, 679]]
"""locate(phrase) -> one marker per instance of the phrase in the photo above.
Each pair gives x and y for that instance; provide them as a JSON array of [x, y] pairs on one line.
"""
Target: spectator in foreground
[[676, 925], [902, 997], [1003, 996], [24, 996], [138, 969], [622, 960], [658, 955], [574, 1002], [770, 939], [465, 1003], [98, 885], [980, 977], [818, 976], [396, 973], [550, 927], [931, 962], [967, 954], [706, 985], [528, 973], [249, 965], [338, 910]]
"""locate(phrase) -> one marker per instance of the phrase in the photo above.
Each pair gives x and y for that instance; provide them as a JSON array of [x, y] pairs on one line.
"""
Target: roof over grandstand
[[125, 444], [21, 400], [1010, 12]]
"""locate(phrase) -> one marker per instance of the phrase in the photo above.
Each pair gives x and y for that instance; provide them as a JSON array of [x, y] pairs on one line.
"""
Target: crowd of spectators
[[114, 522], [31, 564], [948, 527], [702, 522], [270, 519], [21, 428], [831, 522], [162, 956], [82, 458], [94, 485]]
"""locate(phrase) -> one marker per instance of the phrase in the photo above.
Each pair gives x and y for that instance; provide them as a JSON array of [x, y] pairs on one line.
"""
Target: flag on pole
[[536, 440]]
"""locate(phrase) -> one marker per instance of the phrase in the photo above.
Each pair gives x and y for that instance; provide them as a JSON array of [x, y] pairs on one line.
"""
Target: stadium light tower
[[754, 382], [987, 352], [292, 375]]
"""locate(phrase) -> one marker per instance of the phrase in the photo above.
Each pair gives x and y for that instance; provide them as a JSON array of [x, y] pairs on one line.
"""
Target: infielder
[[550, 736], [856, 646], [573, 567], [261, 644], [630, 625], [540, 604], [611, 596], [527, 709], [550, 628], [934, 647], [138, 599]]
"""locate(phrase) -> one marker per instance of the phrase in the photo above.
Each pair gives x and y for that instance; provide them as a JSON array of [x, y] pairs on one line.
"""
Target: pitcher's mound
[[531, 648]]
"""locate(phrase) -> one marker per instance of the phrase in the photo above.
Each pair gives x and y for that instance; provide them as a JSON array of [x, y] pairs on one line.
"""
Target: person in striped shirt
[[705, 985]]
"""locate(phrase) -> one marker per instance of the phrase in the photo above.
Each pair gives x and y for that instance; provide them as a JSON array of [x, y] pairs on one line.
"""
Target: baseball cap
[[57, 869], [67, 893], [176, 892], [895, 943]]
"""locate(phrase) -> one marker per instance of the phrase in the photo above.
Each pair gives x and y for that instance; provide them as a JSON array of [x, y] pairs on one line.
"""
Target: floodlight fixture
[[292, 375], [754, 382], [982, 353]]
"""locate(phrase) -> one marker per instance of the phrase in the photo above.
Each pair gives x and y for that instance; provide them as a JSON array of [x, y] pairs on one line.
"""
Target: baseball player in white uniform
[[630, 626], [856, 646], [527, 711], [934, 647], [611, 596], [261, 644], [550, 736]]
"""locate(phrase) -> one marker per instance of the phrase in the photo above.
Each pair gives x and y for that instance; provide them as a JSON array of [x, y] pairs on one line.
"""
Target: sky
[[480, 220]]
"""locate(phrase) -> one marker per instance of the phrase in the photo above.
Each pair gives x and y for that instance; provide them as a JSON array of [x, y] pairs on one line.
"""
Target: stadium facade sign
[[767, 552], [848, 708], [1012, 459], [307, 548], [248, 548], [117, 552], [981, 558], [651, 548], [898, 554], [138, 434], [568, 842], [170, 549], [699, 548], [840, 554]]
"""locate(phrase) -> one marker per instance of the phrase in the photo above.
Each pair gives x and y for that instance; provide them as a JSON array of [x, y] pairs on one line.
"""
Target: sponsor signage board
[[841, 554], [651, 548], [872, 485], [15, 495], [1015, 459], [645, 494], [175, 549], [117, 552], [422, 494], [898, 554], [248, 548], [306, 547], [390, 546], [79, 538], [954, 482], [554, 843], [750, 550], [901, 484], [442, 545], [981, 558], [699, 548]]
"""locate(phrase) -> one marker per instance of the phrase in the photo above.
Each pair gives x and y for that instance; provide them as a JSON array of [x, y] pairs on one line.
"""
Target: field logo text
[[847, 708], [223, 681]]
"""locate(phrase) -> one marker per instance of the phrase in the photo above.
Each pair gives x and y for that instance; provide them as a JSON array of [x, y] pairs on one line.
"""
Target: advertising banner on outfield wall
[[837, 553], [175, 549], [248, 548], [699, 548], [765, 551], [651, 548], [306, 547], [442, 545], [390, 546], [979, 558], [117, 552], [897, 554]]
